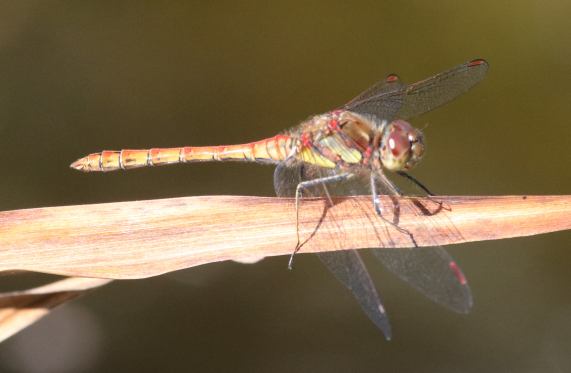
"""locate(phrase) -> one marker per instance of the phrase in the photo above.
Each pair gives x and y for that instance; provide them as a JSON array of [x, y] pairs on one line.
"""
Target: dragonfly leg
[[429, 194], [377, 202], [298, 194], [416, 182]]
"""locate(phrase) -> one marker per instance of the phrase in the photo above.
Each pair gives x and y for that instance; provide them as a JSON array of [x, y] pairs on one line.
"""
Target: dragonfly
[[355, 149]]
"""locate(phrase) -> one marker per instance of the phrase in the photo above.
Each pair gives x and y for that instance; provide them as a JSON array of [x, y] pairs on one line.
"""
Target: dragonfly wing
[[389, 99], [433, 272], [346, 265], [430, 270], [349, 269], [442, 88], [383, 100]]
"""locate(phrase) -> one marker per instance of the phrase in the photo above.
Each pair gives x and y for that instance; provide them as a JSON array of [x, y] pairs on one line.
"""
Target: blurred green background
[[82, 76]]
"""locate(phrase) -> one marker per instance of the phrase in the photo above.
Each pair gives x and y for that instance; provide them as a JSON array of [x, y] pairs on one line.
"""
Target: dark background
[[82, 76]]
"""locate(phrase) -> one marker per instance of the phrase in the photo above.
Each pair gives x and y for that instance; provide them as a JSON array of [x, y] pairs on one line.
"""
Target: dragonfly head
[[401, 147]]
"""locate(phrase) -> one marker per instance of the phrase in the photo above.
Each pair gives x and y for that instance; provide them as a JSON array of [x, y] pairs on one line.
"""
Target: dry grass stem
[[19, 309], [147, 238]]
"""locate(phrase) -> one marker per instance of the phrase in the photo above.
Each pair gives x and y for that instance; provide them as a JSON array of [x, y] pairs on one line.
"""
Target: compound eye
[[398, 144]]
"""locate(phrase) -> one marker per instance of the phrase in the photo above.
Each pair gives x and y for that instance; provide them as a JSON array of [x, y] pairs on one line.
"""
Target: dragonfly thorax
[[401, 147], [346, 139]]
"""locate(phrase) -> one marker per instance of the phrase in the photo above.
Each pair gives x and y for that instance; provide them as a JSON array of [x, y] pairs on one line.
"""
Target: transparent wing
[[349, 269], [442, 88], [347, 265], [387, 100], [288, 175], [430, 270], [383, 100]]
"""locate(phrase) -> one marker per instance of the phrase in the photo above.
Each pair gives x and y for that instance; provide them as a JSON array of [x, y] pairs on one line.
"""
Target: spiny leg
[[298, 194], [377, 202], [429, 195], [416, 182]]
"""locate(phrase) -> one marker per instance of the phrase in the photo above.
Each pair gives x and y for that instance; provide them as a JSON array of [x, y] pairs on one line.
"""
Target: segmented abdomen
[[271, 150]]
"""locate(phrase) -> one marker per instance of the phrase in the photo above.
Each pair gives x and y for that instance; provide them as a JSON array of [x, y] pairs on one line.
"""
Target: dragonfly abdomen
[[271, 150]]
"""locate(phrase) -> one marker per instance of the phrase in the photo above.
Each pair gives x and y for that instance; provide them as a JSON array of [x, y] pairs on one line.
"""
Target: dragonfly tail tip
[[79, 165]]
